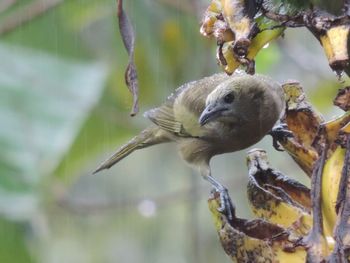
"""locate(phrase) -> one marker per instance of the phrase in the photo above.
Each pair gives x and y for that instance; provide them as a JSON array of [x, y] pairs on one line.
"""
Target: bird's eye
[[229, 98]]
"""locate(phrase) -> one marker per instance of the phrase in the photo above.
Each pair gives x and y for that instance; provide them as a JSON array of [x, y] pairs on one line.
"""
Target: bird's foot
[[226, 205], [279, 133]]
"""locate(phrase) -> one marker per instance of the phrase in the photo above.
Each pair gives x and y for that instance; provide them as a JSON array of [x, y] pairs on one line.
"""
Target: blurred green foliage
[[13, 245], [64, 107]]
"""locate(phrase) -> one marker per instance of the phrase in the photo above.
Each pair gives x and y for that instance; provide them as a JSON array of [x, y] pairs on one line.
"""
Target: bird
[[211, 116]]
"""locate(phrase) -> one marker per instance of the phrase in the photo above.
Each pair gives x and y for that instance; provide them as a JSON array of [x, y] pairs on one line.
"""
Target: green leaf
[[44, 101], [13, 247]]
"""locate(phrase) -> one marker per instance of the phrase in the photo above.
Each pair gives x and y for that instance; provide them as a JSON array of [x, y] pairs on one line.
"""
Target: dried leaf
[[343, 99], [275, 197], [304, 122], [301, 117], [342, 230], [254, 240], [128, 36]]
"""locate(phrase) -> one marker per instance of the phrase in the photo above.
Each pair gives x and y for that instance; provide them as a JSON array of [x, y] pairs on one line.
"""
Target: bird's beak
[[210, 113]]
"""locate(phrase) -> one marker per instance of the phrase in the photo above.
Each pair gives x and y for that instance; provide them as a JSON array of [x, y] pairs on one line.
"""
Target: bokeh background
[[64, 108]]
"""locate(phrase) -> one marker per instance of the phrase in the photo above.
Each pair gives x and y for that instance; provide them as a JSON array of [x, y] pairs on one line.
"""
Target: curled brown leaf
[[128, 36]]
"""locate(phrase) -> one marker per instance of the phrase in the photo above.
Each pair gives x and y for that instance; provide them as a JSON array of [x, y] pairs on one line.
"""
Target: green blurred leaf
[[43, 103], [267, 58], [13, 247]]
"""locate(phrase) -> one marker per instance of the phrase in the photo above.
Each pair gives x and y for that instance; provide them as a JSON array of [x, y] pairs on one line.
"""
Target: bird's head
[[241, 98], [220, 103]]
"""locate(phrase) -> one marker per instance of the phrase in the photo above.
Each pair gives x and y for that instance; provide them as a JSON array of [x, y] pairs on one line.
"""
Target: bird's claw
[[226, 206], [279, 133]]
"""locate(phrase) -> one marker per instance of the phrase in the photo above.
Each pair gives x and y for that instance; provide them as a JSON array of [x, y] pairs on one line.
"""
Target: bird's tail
[[150, 136]]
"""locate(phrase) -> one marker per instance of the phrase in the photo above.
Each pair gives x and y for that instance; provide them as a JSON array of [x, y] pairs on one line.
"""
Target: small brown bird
[[211, 116]]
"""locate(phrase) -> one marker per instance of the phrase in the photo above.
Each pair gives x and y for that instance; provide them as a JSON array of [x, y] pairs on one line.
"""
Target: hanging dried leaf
[[128, 36], [239, 34]]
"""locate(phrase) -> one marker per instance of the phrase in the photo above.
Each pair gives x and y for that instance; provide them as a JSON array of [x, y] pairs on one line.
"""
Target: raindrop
[[340, 74]]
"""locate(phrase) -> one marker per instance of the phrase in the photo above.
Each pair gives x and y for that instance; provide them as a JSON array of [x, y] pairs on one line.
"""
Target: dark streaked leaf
[[343, 99], [128, 36]]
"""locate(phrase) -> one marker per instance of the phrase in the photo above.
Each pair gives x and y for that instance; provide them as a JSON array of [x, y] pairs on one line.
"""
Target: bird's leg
[[225, 202], [279, 133]]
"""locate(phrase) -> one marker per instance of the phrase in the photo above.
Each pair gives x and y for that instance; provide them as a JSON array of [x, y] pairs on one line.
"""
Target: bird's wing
[[180, 113], [164, 118]]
